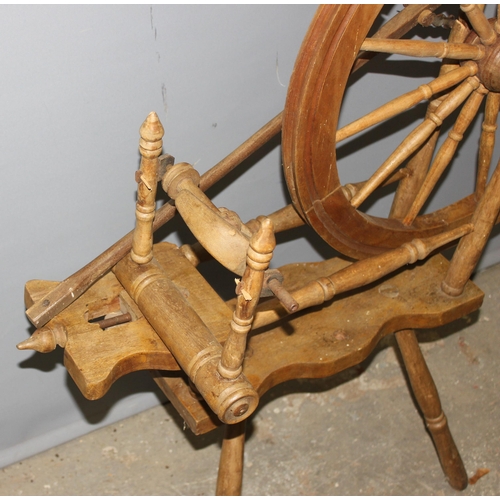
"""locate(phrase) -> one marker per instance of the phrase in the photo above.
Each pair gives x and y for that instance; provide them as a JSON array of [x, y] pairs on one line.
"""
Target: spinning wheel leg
[[428, 399], [230, 475]]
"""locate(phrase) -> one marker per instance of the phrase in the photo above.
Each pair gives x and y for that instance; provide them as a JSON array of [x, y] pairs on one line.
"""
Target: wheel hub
[[489, 65]]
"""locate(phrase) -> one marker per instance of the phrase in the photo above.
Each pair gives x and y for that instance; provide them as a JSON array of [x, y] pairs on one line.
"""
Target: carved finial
[[151, 133], [150, 145], [45, 339]]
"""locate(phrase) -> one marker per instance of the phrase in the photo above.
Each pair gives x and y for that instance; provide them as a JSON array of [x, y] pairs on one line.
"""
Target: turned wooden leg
[[230, 475], [428, 399]]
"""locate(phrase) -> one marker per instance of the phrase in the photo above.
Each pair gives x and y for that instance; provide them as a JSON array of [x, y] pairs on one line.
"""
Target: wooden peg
[[360, 273], [260, 252], [150, 146], [46, 339]]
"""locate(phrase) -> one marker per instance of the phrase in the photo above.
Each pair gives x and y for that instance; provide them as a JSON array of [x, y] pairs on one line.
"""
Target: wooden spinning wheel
[[214, 359], [334, 46]]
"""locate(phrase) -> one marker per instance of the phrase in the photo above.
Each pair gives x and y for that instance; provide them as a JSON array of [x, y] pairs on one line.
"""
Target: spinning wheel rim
[[309, 160]]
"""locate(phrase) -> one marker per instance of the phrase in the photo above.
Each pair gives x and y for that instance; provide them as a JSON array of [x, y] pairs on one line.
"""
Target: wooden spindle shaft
[[421, 48], [416, 170], [192, 344], [150, 147], [487, 142], [358, 274], [230, 476], [447, 151], [471, 247], [260, 252], [418, 165], [416, 138], [480, 23], [406, 101], [427, 397]]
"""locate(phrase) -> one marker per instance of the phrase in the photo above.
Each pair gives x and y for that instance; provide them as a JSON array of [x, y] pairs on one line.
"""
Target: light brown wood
[[428, 399], [310, 124], [480, 23], [416, 138], [220, 232], [487, 141], [249, 289], [358, 274], [213, 359], [447, 151], [396, 27], [150, 147], [72, 287], [406, 101], [193, 345], [230, 476], [418, 164], [422, 48], [410, 298], [471, 247]]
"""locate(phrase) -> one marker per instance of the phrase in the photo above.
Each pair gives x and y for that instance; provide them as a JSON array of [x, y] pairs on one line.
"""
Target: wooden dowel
[[230, 475], [406, 101], [471, 247], [260, 252], [446, 151], [396, 27], [427, 397], [416, 138], [150, 147], [360, 273], [72, 287], [421, 48], [418, 165], [487, 142], [480, 23]]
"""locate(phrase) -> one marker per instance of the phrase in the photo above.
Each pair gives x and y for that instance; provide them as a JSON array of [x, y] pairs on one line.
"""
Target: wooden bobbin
[[150, 146]]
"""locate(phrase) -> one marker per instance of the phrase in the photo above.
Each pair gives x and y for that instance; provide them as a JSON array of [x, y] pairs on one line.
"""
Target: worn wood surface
[[310, 344]]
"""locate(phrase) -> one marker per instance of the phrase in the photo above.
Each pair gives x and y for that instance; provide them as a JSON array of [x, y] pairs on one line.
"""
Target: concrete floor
[[357, 433]]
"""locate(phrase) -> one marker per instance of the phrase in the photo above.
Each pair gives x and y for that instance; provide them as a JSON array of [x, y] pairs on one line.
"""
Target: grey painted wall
[[77, 82]]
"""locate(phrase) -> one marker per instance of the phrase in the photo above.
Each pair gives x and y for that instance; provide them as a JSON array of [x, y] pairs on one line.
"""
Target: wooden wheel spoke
[[479, 23], [487, 141], [407, 101], [421, 48], [396, 27], [418, 164], [446, 152], [416, 138]]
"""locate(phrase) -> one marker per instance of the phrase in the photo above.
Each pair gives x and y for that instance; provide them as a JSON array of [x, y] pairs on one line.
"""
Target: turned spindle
[[470, 248], [260, 252], [360, 273], [150, 146]]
